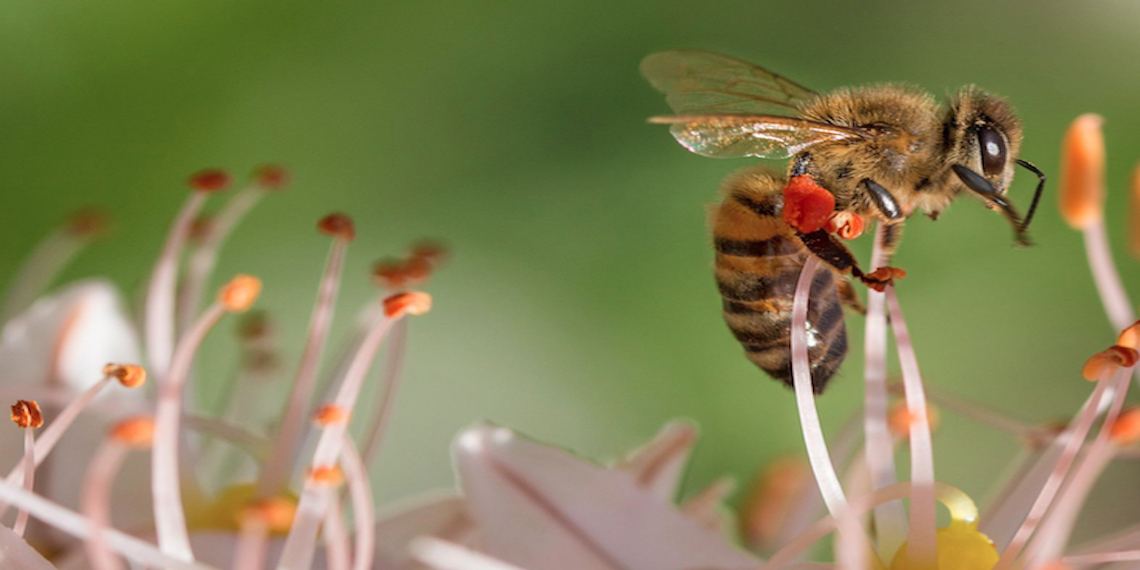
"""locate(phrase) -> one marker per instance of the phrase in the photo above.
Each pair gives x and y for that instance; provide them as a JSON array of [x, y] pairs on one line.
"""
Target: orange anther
[[240, 293], [1130, 337], [1082, 172], [417, 269], [389, 273], [411, 303], [329, 476], [27, 414], [807, 205], [255, 326], [846, 225], [276, 513], [900, 419], [88, 223], [1106, 362], [271, 176], [212, 180], [135, 432], [330, 414], [129, 375], [1126, 429], [337, 225]]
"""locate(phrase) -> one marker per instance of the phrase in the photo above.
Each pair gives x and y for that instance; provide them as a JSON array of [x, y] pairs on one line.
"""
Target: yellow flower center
[[236, 502]]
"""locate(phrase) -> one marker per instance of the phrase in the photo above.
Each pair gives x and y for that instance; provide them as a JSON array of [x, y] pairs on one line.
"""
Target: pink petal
[[15, 554], [66, 338], [660, 464], [541, 508], [443, 516]]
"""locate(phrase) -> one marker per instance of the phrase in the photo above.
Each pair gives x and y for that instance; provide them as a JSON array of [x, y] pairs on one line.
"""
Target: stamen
[[890, 519], [1108, 361], [1075, 437], [129, 375], [161, 291], [26, 414], [393, 375], [95, 503], [1102, 558], [444, 555], [389, 273], [279, 468], [330, 414], [1126, 429], [921, 536], [256, 522], [901, 420], [1082, 172], [411, 303], [169, 515], [49, 258], [336, 538], [363, 512], [205, 257]]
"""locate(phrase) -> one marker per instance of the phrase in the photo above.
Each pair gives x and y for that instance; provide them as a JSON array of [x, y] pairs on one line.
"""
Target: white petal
[[543, 509], [15, 554], [660, 464], [66, 338], [442, 516]]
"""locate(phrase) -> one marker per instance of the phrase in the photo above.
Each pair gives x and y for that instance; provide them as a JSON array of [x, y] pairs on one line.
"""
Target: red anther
[[88, 223], [807, 205], [135, 432], [1107, 361], [271, 176], [337, 225], [846, 225], [417, 269], [27, 414], [330, 414], [212, 180], [255, 326], [240, 293], [430, 251], [129, 375], [330, 476], [410, 303], [1126, 429], [390, 273], [201, 227]]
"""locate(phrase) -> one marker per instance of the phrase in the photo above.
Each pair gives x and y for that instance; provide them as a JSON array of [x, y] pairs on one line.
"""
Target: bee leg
[[849, 298], [892, 235], [830, 251], [883, 200]]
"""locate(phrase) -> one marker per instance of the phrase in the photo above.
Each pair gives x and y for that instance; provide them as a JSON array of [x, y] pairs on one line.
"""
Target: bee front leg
[[828, 249]]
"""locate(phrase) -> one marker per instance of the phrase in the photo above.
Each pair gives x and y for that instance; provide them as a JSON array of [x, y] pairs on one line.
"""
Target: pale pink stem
[[29, 477], [279, 467], [253, 537], [41, 267], [75, 524], [1074, 439], [1102, 558], [166, 486], [363, 511], [921, 545], [254, 445], [1108, 284], [999, 512], [961, 508], [984, 415], [393, 374], [95, 503], [1125, 539], [159, 330], [301, 541], [336, 538], [205, 257], [55, 430], [890, 518], [821, 465], [444, 555], [1058, 525]]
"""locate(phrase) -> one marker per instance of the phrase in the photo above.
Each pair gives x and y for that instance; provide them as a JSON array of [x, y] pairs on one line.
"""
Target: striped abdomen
[[758, 261]]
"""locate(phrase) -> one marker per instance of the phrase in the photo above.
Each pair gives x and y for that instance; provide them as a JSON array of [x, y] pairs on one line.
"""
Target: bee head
[[983, 135]]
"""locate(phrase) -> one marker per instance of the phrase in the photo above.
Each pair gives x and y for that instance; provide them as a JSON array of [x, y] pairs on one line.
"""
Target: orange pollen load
[[276, 513], [27, 414], [330, 414], [240, 293], [271, 176], [1108, 361], [212, 180], [137, 432], [807, 205], [1126, 429], [337, 225], [411, 303], [1130, 337], [900, 419], [129, 375], [328, 476], [846, 225]]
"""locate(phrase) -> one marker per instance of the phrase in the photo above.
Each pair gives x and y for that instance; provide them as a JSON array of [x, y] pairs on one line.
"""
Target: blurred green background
[[579, 305]]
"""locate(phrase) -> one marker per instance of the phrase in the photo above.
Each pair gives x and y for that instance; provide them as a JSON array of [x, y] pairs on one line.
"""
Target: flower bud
[[1082, 172]]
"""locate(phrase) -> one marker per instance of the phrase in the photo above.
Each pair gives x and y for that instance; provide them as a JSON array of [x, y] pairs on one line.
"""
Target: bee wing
[[700, 82], [760, 136]]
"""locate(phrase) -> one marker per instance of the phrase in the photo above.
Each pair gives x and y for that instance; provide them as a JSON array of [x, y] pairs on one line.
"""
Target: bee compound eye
[[992, 147]]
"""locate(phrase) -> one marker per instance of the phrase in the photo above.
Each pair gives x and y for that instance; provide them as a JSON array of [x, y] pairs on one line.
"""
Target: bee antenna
[[1037, 194]]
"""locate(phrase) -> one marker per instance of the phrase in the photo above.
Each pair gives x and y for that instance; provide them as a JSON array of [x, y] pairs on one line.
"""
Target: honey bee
[[881, 153]]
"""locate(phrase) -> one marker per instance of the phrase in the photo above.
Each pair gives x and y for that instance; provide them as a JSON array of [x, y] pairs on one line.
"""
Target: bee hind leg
[[849, 297], [828, 249]]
